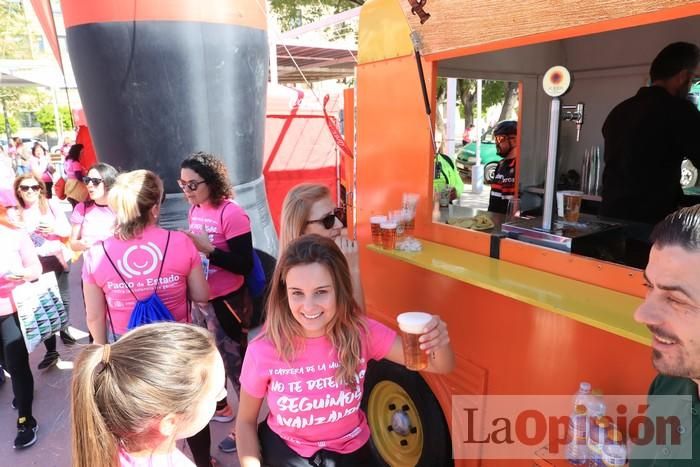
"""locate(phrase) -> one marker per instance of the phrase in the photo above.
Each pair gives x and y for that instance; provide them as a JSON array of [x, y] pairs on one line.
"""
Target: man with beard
[[646, 138], [671, 311], [503, 188]]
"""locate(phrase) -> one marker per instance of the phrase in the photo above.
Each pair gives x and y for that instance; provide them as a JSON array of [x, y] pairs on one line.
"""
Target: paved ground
[[52, 406]]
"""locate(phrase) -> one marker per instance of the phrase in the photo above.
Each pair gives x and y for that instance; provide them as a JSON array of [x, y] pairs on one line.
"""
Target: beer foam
[[413, 322], [377, 219], [388, 225]]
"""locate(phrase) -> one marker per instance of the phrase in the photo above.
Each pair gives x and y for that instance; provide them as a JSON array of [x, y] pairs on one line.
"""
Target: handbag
[[40, 310]]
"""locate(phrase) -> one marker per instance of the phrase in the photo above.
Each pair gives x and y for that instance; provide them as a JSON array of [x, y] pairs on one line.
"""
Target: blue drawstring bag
[[150, 310], [256, 280]]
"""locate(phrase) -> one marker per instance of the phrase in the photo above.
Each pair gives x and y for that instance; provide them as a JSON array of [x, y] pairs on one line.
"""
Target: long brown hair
[[347, 326], [43, 203], [121, 392], [296, 208]]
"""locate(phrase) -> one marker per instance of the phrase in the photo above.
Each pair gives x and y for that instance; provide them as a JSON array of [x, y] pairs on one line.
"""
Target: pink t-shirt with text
[[17, 250], [96, 224], [207, 218], [172, 459], [294, 388], [139, 261]]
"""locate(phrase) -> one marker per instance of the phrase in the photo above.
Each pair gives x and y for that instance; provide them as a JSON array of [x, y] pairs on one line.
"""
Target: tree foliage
[[17, 39], [14, 125], [294, 13], [45, 117]]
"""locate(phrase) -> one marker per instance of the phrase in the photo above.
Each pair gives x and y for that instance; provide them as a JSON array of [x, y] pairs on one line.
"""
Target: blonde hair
[[296, 208], [132, 197], [345, 329], [121, 392]]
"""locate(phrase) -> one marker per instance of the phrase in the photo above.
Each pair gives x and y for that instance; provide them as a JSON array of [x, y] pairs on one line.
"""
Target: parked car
[[489, 159]]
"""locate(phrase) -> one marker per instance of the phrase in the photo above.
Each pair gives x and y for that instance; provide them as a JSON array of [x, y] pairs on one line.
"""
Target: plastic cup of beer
[[376, 222], [572, 205], [388, 230], [412, 325]]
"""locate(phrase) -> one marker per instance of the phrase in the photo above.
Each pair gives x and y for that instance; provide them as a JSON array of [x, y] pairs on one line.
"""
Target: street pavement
[[52, 402]]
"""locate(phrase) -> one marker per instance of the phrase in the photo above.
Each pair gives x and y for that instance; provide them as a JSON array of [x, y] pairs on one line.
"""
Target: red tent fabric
[[298, 144]]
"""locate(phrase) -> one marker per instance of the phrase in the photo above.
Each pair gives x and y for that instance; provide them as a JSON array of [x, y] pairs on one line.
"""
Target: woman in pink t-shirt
[[309, 209], [140, 259], [20, 263], [47, 225], [42, 168], [310, 362], [75, 190], [221, 230], [133, 399], [93, 221]]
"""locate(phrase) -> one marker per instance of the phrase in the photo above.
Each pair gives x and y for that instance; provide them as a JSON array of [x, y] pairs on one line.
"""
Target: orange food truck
[[524, 319]]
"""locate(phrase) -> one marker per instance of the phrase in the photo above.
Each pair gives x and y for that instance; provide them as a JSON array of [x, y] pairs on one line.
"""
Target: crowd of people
[[146, 288]]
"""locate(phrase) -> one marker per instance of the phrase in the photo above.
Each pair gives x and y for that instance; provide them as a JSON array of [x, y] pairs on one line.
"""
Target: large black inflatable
[[160, 79]]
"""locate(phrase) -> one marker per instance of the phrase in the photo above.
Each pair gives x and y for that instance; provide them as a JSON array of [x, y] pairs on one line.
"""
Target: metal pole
[[57, 117], [450, 114], [8, 130], [551, 175]]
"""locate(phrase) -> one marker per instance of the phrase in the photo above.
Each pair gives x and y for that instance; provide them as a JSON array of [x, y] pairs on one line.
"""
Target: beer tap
[[574, 113]]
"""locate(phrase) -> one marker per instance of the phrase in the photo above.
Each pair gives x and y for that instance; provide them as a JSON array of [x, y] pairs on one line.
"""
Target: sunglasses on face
[[26, 188], [502, 138], [191, 185], [328, 221], [94, 181]]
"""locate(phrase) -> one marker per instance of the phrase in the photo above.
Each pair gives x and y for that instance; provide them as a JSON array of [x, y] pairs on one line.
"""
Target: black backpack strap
[[109, 314], [118, 272], [162, 263]]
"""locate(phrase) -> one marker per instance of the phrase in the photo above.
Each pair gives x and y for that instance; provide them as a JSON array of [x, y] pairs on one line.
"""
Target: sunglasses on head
[[191, 185], [94, 180], [328, 221], [26, 188]]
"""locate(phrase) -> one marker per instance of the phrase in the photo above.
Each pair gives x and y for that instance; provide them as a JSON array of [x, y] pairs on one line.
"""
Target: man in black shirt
[[503, 186], [646, 138]]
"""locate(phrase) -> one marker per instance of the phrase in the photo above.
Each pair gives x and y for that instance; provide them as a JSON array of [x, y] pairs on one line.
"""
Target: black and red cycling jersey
[[503, 186]]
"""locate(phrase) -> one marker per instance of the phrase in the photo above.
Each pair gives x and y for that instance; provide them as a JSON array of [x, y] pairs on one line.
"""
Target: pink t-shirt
[[172, 459], [294, 388], [17, 251], [139, 261], [39, 166], [207, 218], [52, 244], [96, 224], [71, 167]]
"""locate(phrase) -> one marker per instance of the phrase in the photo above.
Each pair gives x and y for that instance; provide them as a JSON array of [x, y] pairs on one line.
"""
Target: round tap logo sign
[[140, 260]]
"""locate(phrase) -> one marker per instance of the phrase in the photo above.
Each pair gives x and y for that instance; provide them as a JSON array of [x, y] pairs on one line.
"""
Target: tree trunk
[[509, 101]]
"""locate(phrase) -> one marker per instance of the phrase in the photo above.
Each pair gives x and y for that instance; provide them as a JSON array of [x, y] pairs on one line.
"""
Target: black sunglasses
[[26, 188], [191, 185], [328, 220], [95, 181]]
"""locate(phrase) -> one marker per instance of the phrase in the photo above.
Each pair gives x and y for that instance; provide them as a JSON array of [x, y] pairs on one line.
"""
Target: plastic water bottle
[[597, 434], [576, 449], [614, 451], [583, 395]]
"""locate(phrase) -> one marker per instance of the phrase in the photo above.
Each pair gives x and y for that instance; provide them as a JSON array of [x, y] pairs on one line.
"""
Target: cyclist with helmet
[[503, 187]]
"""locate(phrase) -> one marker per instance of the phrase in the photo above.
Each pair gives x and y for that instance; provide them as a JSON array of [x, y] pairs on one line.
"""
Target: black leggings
[[13, 353], [52, 264], [276, 453], [199, 447]]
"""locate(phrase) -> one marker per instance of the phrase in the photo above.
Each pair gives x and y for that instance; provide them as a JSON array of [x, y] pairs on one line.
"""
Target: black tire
[[490, 172], [436, 449]]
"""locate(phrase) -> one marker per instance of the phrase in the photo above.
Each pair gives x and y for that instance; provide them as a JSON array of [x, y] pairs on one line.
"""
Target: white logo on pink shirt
[[131, 269]]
